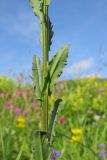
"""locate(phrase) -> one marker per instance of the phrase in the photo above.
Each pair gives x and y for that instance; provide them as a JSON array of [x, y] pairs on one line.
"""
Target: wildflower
[[6, 105], [62, 121], [76, 131], [17, 110], [55, 154], [20, 93], [103, 153], [21, 122], [105, 83], [21, 125], [75, 138], [101, 146], [33, 104], [77, 135], [4, 95]]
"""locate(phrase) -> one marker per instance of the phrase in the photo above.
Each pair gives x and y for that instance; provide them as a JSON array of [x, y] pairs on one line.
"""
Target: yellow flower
[[21, 125], [75, 138], [105, 83], [76, 131], [21, 120], [77, 135]]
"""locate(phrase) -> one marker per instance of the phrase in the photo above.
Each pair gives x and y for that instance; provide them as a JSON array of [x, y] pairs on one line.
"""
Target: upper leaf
[[37, 6], [37, 75], [57, 63], [50, 33], [48, 2]]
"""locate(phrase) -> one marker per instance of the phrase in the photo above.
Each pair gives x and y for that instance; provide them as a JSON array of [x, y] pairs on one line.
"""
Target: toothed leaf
[[37, 6], [50, 33], [57, 63], [48, 2]]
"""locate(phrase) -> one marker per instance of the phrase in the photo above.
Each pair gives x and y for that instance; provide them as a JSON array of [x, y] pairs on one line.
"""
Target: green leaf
[[48, 2], [57, 63], [37, 6], [50, 33], [37, 75], [37, 146], [40, 146], [46, 147], [52, 121]]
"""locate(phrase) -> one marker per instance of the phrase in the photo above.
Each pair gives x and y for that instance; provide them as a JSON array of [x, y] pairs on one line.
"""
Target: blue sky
[[81, 23]]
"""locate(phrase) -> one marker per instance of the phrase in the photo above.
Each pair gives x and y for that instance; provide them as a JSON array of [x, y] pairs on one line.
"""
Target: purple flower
[[101, 146], [102, 154], [55, 154]]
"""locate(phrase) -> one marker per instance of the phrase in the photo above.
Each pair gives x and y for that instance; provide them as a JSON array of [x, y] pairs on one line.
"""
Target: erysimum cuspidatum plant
[[44, 75]]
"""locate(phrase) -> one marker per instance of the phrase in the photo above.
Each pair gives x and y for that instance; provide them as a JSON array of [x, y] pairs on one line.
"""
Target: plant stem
[[44, 122], [2, 142]]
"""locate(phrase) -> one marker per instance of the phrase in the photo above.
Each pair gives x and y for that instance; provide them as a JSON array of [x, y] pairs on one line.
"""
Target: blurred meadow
[[81, 126]]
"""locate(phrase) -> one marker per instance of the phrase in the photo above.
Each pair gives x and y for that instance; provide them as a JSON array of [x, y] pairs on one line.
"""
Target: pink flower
[[62, 121], [4, 95], [20, 92], [17, 110], [33, 104], [6, 105]]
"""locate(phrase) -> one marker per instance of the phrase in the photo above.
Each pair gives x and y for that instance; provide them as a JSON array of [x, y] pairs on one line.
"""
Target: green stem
[[44, 123], [2, 142]]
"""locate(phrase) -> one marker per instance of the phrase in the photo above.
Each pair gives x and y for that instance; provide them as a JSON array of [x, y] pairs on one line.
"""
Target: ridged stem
[[44, 122]]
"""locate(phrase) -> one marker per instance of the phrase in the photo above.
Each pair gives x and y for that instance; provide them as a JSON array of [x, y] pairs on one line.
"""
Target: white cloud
[[80, 67], [97, 74]]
